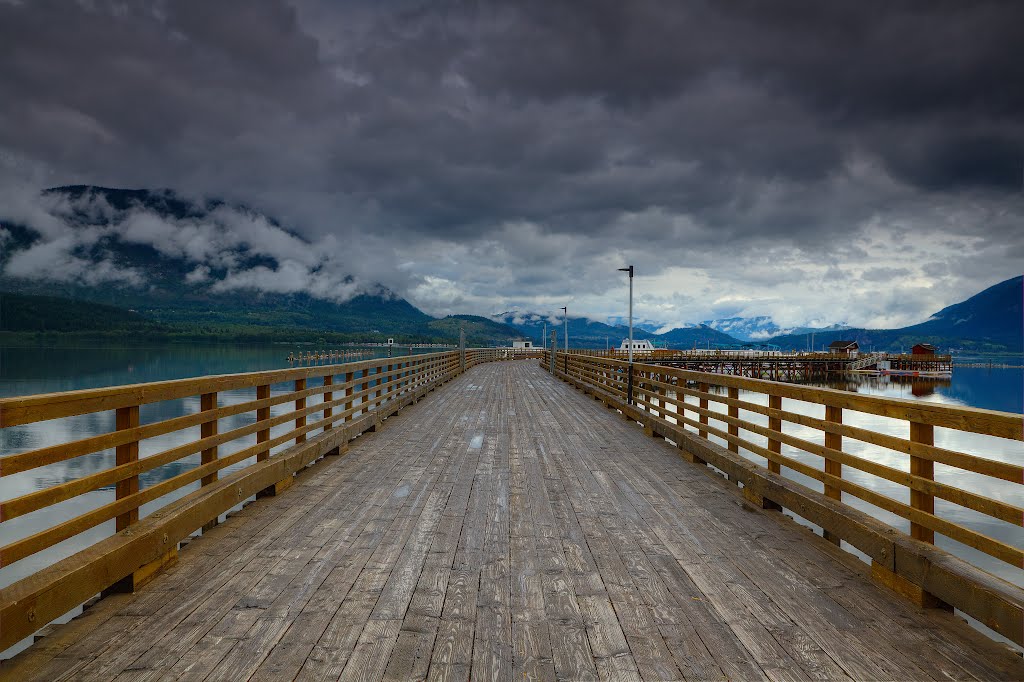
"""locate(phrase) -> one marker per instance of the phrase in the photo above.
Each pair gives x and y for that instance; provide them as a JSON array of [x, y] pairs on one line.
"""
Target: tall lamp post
[[629, 380], [565, 360], [565, 319]]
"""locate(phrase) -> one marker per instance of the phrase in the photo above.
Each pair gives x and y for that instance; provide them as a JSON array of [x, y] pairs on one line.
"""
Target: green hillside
[[24, 313], [26, 316], [479, 330]]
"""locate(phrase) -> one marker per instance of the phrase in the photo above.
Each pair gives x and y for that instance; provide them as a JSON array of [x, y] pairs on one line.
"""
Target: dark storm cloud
[[543, 140]]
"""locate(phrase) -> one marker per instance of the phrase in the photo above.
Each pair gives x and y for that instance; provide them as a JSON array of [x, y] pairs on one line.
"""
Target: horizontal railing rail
[[773, 425], [278, 422]]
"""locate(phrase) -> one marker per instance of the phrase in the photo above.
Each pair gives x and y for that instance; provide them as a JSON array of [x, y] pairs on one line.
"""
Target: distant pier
[[316, 357], [778, 366]]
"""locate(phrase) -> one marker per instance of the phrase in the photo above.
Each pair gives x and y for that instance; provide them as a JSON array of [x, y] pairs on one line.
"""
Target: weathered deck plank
[[507, 528]]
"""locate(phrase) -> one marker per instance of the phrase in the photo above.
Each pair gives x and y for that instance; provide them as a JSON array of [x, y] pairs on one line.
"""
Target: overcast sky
[[819, 162]]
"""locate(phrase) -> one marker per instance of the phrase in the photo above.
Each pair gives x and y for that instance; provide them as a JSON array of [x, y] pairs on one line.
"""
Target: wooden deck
[[509, 527]]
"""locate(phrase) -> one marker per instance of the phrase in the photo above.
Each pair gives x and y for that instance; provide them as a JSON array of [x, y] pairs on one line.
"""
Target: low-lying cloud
[[75, 237]]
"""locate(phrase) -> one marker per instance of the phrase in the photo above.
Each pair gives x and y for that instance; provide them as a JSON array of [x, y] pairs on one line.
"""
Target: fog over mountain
[[813, 163], [93, 236]]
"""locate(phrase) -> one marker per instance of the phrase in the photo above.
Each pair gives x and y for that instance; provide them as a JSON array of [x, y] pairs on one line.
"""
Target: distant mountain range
[[761, 328], [141, 251], [586, 333], [990, 321], [166, 266]]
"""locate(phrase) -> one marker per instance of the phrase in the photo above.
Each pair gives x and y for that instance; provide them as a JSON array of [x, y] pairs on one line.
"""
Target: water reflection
[[990, 389]]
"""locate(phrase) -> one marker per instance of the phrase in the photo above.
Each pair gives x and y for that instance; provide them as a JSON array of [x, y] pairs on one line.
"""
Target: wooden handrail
[[976, 420], [356, 396], [691, 407], [124, 474]]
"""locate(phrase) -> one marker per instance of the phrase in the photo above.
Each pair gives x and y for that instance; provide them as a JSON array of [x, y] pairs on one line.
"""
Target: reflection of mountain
[[27, 370], [990, 389]]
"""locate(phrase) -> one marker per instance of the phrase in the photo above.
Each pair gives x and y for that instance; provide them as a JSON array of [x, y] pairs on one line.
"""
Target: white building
[[522, 344], [639, 345]]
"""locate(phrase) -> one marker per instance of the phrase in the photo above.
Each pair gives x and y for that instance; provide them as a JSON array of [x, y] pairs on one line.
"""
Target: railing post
[[703, 387], [924, 434], [349, 390], [462, 350], [328, 397], [208, 402], [775, 424], [925, 468], [653, 396], [328, 412], [553, 347], [734, 429], [300, 404], [414, 376], [734, 411], [262, 414], [629, 384], [127, 418], [833, 441]]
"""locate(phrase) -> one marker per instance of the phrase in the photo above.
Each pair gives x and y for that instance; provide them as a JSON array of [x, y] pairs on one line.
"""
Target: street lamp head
[[628, 269]]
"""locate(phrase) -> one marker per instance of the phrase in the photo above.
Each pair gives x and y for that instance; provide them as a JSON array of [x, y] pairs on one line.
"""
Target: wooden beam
[[127, 418], [925, 434]]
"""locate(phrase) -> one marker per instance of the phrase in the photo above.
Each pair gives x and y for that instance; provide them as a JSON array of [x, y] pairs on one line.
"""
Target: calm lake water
[[25, 371]]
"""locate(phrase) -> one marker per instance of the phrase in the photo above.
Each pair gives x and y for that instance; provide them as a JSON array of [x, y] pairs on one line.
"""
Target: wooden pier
[[484, 520], [777, 366], [315, 357]]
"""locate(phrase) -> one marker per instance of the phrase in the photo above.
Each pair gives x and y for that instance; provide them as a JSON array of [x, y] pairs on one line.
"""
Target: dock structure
[[779, 366], [313, 357], [447, 516]]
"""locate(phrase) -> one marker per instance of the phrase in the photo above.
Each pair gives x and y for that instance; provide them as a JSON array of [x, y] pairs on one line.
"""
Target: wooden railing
[[907, 357], [768, 422], [290, 418]]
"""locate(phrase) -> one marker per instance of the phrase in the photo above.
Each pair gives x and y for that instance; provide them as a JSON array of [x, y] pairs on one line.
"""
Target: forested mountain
[[201, 268], [990, 321], [25, 313]]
